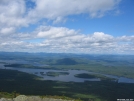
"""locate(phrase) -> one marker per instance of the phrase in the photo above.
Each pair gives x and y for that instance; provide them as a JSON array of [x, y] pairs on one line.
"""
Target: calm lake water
[[66, 78]]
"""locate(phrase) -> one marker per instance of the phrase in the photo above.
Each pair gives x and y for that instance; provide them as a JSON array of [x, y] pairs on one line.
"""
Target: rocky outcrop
[[32, 98]]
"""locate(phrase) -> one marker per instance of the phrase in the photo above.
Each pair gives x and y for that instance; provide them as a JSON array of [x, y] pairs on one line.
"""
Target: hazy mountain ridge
[[66, 61]]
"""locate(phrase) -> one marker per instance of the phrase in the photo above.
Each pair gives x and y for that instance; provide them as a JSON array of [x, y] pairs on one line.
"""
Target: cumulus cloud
[[126, 38], [5, 31], [15, 14], [56, 9], [54, 32], [61, 39], [12, 12]]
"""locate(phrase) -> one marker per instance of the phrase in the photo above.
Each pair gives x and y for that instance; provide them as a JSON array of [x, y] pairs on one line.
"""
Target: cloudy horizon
[[69, 26]]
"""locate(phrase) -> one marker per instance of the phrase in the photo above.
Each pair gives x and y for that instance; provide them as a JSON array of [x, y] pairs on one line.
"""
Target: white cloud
[[14, 14], [126, 38], [6, 31], [59, 20], [61, 39], [54, 32], [53, 9]]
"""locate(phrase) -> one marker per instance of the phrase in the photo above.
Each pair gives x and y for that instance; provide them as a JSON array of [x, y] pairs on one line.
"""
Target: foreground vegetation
[[22, 83]]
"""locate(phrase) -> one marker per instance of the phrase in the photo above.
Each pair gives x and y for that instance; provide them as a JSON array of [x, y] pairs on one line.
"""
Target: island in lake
[[92, 76], [56, 73]]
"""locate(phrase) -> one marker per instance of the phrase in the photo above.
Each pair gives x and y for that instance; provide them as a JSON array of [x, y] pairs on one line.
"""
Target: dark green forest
[[23, 83]]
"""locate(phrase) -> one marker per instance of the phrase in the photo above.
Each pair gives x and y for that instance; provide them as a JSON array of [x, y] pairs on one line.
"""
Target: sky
[[67, 26]]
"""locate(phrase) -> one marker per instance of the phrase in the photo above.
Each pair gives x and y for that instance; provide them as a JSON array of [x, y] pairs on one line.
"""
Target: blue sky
[[69, 26]]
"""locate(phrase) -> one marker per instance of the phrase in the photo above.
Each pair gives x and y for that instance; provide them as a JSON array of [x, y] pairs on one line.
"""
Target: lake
[[66, 78]]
